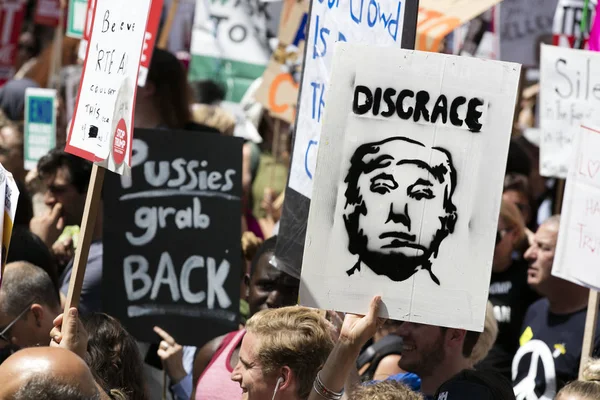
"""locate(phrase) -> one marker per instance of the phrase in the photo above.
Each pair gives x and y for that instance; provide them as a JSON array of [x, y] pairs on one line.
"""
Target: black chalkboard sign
[[172, 253]]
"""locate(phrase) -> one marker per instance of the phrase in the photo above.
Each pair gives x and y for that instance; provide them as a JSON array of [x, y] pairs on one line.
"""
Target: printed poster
[[40, 125], [76, 18], [408, 185], [12, 13]]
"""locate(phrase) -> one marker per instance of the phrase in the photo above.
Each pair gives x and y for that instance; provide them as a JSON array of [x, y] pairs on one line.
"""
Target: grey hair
[[24, 283], [41, 387]]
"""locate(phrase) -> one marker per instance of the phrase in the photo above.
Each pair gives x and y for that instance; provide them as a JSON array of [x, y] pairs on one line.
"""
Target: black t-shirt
[[511, 296], [553, 343]]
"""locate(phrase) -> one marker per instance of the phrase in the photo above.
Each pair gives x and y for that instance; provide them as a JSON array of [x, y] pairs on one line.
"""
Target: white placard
[[102, 126], [578, 247], [379, 22], [569, 97], [402, 206]]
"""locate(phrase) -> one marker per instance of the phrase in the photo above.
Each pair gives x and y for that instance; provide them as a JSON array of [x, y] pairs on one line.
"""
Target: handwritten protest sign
[[523, 23], [12, 13], [278, 91], [569, 96], [408, 185], [229, 44], [47, 12], [438, 18], [150, 40], [567, 25], [578, 246], [76, 18], [102, 126], [172, 233], [40, 124]]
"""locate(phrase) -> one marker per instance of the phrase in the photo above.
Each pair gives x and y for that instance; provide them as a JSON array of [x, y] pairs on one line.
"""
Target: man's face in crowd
[[404, 206], [60, 190], [540, 256], [31, 329], [249, 373], [520, 200], [270, 287], [11, 151], [423, 348]]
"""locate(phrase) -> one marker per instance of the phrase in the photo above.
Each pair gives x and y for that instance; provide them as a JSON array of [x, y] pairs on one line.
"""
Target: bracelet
[[325, 393]]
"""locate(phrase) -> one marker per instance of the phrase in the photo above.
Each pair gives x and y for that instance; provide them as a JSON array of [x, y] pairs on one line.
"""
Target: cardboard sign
[[150, 40], [102, 126], [438, 18], [569, 96], [567, 23], [408, 185], [390, 23], [40, 124], [47, 12], [229, 44], [76, 18], [523, 23], [278, 91], [12, 13], [172, 234], [578, 246]]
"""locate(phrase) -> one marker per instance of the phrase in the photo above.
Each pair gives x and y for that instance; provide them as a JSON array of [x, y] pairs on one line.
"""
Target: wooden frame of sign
[[590, 330]]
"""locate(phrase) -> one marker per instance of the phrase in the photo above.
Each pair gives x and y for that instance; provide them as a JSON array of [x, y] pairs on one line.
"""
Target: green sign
[[40, 124], [76, 18]]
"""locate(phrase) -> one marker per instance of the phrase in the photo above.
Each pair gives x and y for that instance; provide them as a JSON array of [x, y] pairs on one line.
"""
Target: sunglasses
[[4, 334]]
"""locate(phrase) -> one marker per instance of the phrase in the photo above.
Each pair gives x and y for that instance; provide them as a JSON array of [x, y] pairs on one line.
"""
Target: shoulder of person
[[538, 307]]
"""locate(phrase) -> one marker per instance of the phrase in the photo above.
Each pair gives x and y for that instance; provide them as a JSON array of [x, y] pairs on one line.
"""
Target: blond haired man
[[281, 353]]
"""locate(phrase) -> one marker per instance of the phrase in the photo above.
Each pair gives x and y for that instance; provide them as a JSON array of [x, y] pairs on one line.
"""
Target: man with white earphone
[[281, 353]]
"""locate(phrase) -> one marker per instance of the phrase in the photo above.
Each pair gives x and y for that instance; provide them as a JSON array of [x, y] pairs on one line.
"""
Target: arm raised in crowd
[[340, 367]]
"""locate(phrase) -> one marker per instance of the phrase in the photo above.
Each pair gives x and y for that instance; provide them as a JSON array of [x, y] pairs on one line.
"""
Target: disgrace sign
[[578, 246], [172, 236], [102, 126], [569, 96], [408, 185]]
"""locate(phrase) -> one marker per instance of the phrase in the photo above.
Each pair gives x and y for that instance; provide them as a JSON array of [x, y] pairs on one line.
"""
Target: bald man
[[29, 303], [47, 373]]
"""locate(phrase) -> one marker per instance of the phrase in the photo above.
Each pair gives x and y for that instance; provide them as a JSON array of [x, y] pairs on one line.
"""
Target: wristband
[[323, 391]]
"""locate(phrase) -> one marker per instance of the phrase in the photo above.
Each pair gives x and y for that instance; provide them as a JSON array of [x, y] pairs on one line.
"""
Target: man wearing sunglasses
[[28, 305]]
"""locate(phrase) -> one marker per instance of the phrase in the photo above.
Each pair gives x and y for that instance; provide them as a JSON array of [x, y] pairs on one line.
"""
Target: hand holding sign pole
[[102, 127]]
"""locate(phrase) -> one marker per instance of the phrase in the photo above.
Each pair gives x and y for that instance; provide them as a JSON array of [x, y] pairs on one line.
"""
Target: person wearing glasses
[[28, 305], [509, 292]]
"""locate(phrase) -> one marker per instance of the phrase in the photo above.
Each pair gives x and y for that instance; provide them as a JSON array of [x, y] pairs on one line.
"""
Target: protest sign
[[572, 23], [12, 13], [229, 44], [10, 194], [102, 126], [40, 125], [438, 18], [150, 39], [577, 249], [569, 96], [172, 233], [408, 185], [76, 18], [87, 30], [47, 12], [523, 24], [278, 91]]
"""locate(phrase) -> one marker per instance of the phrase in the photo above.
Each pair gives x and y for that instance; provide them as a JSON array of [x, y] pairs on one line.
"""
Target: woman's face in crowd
[[504, 247], [520, 200], [249, 373], [271, 287]]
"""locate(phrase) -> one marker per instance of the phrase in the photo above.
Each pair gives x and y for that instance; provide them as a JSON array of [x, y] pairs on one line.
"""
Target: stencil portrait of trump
[[398, 207]]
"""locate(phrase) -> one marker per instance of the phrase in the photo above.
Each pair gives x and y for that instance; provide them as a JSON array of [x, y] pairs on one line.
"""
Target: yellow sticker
[[561, 348], [526, 336]]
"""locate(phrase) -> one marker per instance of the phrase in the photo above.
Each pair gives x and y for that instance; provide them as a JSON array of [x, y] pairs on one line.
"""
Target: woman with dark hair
[[113, 358]]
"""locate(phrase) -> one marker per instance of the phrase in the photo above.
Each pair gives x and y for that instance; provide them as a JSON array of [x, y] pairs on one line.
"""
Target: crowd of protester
[[281, 350]]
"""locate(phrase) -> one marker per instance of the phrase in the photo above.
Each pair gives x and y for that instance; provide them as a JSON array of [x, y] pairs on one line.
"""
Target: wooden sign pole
[[164, 36], [56, 60], [90, 213], [590, 330]]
